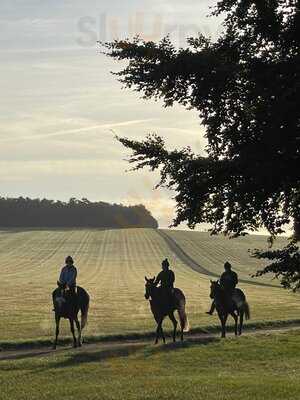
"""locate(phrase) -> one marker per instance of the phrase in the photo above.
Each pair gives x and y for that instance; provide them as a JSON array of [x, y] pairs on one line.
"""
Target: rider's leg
[[212, 308]]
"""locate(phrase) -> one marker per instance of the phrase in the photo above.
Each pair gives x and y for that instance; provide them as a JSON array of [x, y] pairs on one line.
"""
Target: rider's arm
[[158, 279], [62, 276], [222, 279], [172, 278], [236, 278]]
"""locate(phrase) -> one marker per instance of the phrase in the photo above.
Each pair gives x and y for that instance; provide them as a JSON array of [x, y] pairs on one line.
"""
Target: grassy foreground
[[112, 265], [249, 368]]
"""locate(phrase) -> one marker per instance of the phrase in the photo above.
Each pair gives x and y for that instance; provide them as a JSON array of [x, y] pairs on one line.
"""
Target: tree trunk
[[297, 228]]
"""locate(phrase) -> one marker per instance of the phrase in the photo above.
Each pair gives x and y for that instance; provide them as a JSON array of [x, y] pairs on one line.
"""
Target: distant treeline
[[25, 212]]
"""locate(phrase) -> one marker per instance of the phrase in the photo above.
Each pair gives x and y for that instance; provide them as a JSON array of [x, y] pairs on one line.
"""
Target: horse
[[67, 305], [159, 310], [237, 307]]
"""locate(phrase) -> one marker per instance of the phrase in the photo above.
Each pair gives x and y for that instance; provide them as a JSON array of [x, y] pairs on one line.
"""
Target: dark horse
[[67, 305], [160, 309], [237, 307]]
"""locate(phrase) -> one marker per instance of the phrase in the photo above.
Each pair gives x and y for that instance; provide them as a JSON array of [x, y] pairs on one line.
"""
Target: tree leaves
[[245, 87]]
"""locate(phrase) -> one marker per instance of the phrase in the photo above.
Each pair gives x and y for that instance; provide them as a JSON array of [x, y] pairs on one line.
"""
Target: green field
[[261, 367], [112, 265]]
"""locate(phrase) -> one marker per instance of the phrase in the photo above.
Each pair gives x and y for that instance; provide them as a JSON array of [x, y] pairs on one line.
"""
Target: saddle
[[234, 299], [170, 297], [237, 297]]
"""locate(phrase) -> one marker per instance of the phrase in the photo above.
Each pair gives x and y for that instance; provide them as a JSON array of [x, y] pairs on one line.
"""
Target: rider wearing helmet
[[68, 274], [228, 279], [166, 279], [228, 282]]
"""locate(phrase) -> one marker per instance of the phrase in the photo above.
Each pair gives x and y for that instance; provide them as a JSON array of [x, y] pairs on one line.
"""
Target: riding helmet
[[69, 259], [227, 265]]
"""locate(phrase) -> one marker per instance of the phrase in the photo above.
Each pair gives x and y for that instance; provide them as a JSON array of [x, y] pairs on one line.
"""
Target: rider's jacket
[[68, 276], [229, 280], [166, 279]]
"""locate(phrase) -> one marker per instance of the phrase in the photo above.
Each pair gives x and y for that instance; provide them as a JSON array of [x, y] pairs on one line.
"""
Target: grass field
[[211, 251], [250, 368], [112, 265]]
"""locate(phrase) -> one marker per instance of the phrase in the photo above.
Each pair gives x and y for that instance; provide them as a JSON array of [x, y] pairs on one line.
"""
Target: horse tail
[[84, 302], [184, 322], [247, 310], [180, 300]]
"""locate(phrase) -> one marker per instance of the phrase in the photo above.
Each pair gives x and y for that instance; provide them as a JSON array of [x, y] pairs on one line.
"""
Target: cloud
[[78, 130], [60, 100]]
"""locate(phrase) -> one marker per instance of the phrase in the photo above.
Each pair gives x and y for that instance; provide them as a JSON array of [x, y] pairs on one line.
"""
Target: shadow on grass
[[187, 343], [30, 348], [84, 355], [145, 350]]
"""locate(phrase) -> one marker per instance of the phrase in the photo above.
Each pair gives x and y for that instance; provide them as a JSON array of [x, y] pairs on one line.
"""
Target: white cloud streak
[[79, 130]]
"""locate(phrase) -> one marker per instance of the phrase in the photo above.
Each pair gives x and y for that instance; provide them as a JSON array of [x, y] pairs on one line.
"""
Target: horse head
[[214, 287], [59, 297], [149, 287]]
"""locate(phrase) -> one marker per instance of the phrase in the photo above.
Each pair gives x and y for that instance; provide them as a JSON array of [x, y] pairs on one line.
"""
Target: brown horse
[[160, 309], [236, 306], [67, 305]]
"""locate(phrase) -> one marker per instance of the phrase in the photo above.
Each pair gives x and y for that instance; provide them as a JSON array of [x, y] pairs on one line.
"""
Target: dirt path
[[190, 262], [200, 338]]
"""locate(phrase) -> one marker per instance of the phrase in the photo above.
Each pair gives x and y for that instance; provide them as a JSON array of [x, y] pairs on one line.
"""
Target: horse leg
[[158, 330], [224, 324], [241, 322], [73, 332], [235, 317], [57, 320], [173, 319], [79, 332], [223, 319], [162, 333]]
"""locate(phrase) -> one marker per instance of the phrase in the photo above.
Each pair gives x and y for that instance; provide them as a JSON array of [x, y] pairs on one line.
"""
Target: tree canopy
[[245, 87]]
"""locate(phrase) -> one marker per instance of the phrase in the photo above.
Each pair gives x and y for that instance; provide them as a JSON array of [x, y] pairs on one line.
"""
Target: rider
[[68, 274], [166, 278], [228, 282]]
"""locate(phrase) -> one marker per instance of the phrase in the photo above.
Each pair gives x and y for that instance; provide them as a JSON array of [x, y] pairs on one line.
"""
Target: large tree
[[245, 87]]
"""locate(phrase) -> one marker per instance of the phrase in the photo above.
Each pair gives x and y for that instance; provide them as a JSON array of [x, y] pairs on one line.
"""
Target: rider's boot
[[212, 309]]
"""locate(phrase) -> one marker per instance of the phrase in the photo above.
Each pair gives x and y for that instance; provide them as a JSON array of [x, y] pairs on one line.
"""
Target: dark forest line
[[26, 212]]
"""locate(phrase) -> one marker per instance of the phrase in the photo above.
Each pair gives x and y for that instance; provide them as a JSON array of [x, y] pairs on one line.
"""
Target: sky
[[60, 105]]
